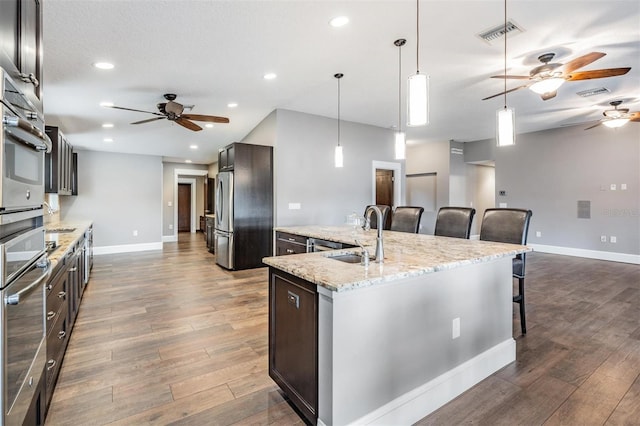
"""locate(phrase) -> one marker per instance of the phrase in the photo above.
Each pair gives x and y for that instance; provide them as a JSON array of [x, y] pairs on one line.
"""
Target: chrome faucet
[[379, 247], [50, 209]]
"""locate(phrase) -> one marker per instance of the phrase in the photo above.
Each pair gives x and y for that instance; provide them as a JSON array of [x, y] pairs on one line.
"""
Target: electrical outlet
[[603, 238], [455, 328], [613, 187], [135, 232], [613, 239], [170, 226], [169, 204], [623, 187], [538, 234]]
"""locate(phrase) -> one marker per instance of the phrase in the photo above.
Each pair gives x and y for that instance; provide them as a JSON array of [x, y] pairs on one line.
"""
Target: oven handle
[[43, 143], [14, 299]]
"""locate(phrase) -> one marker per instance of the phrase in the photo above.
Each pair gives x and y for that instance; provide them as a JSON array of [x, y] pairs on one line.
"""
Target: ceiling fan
[[545, 79], [617, 117], [173, 111]]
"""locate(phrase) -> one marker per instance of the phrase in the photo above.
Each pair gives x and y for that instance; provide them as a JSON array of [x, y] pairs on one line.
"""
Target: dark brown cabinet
[[209, 233], [21, 45], [293, 340], [290, 244], [59, 164], [226, 158]]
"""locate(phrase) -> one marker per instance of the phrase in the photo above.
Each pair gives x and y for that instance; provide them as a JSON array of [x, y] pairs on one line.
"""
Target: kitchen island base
[[388, 353]]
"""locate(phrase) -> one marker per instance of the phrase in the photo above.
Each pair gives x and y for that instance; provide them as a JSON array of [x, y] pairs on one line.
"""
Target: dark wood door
[[184, 207], [384, 187]]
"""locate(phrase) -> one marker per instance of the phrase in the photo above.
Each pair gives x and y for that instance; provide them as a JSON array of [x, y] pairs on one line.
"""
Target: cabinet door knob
[[50, 315]]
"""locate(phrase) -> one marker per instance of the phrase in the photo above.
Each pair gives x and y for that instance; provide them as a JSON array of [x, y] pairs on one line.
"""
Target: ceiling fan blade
[[595, 125], [581, 61], [136, 110], [588, 75], [508, 91], [148, 120], [548, 95], [209, 118], [634, 116], [514, 77], [188, 124]]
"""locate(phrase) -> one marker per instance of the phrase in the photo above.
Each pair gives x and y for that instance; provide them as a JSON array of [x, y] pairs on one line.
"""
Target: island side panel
[[381, 346]]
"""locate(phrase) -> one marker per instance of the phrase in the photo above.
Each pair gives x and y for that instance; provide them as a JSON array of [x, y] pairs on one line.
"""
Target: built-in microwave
[[23, 144]]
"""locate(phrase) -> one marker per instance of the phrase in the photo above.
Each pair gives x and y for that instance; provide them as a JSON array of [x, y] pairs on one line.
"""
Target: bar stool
[[509, 226], [406, 219], [454, 222]]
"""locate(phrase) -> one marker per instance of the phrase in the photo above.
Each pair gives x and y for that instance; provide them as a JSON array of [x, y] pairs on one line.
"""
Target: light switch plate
[[294, 206], [503, 205], [613, 187]]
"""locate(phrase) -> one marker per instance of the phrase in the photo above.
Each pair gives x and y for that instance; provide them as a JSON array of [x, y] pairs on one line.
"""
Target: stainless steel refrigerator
[[243, 232], [223, 232]]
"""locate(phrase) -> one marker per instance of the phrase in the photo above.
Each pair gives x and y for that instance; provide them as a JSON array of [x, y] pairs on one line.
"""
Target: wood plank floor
[[170, 338]]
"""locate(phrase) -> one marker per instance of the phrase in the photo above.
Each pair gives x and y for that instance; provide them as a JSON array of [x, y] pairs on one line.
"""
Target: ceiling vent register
[[592, 92], [499, 31]]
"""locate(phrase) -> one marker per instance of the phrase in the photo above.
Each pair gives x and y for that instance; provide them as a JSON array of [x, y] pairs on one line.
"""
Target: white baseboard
[[589, 254], [126, 248], [169, 238], [418, 403]]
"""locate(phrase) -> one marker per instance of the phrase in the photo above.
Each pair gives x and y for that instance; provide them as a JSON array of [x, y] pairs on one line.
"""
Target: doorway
[[386, 183], [184, 207]]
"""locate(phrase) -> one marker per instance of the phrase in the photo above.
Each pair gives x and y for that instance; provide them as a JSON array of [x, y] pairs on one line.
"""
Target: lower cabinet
[[63, 296], [290, 244], [36, 412], [293, 340], [209, 233]]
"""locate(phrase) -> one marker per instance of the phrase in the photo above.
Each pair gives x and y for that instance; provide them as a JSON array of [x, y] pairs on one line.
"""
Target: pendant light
[[400, 144], [505, 117], [338, 159], [418, 87]]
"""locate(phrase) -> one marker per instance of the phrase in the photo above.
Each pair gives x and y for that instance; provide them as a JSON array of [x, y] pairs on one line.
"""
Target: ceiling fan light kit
[[616, 122], [418, 87], [548, 85]]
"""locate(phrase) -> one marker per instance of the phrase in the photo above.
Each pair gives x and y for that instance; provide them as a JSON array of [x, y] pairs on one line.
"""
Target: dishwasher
[[316, 244]]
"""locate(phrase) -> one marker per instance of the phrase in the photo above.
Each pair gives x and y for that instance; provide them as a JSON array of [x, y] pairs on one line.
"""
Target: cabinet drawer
[[57, 295], [285, 247], [292, 238], [57, 339]]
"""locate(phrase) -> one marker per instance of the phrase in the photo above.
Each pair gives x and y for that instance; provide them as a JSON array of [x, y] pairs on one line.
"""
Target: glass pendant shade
[[506, 129], [547, 85], [418, 100], [400, 146], [338, 160], [616, 122]]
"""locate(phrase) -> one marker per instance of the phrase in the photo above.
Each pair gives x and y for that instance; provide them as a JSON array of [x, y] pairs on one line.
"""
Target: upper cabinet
[[226, 158], [21, 45], [60, 167]]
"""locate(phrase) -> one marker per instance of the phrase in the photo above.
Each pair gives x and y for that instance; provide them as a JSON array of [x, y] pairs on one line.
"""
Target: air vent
[[592, 92], [498, 31]]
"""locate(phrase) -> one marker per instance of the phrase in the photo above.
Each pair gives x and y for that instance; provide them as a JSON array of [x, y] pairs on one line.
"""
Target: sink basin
[[349, 257], [60, 230]]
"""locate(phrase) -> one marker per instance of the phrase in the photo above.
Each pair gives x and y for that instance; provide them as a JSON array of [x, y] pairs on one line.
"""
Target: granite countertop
[[405, 255], [65, 239]]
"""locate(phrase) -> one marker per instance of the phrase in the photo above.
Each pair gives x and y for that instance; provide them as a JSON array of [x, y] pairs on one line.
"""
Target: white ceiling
[[211, 53]]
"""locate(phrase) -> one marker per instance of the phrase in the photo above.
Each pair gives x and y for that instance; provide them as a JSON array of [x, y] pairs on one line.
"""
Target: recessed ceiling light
[[108, 140], [106, 104], [107, 125], [188, 161], [193, 146], [269, 76], [339, 21], [232, 104], [103, 65], [209, 125]]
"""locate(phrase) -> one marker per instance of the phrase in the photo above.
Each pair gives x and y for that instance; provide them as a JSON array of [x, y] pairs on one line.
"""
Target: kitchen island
[[391, 342]]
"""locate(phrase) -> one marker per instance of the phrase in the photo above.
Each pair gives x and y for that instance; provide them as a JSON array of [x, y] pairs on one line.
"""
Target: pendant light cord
[[399, 88], [418, 36], [505, 54], [338, 111]]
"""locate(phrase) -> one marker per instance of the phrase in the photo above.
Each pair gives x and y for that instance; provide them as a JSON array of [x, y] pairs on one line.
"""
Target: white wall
[[168, 190], [120, 193], [304, 171]]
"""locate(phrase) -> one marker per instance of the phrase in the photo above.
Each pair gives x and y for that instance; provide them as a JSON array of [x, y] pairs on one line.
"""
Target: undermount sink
[[60, 230], [348, 257]]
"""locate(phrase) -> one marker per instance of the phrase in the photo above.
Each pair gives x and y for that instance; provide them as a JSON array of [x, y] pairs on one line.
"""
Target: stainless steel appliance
[[23, 144], [243, 227], [24, 268], [223, 233]]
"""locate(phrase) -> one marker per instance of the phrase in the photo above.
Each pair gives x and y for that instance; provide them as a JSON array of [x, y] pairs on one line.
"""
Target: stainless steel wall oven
[[24, 267]]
